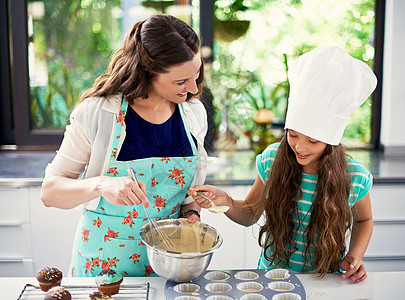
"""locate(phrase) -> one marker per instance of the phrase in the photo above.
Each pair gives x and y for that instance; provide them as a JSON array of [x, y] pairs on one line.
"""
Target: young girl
[[309, 189]]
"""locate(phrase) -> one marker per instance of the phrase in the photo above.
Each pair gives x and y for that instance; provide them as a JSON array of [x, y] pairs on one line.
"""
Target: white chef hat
[[326, 86]]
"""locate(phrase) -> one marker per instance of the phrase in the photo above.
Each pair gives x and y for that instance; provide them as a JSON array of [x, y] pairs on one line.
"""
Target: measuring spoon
[[214, 208]]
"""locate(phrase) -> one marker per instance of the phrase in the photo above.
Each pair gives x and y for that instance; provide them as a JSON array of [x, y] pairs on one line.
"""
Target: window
[[52, 50], [251, 62]]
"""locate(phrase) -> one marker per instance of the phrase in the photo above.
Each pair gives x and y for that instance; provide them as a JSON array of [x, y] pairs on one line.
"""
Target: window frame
[[14, 77], [24, 136]]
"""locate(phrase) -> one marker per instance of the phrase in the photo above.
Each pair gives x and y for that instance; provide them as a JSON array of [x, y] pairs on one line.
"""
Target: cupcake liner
[[281, 286], [110, 289], [220, 297], [46, 286], [249, 286], [187, 298], [216, 276], [187, 288], [279, 274], [287, 296], [253, 297], [247, 275], [218, 287]]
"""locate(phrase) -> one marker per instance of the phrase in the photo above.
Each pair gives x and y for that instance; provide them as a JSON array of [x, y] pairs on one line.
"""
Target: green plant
[[230, 9], [240, 94], [47, 109], [265, 101], [73, 42], [235, 9], [159, 5], [227, 82], [274, 97], [229, 21]]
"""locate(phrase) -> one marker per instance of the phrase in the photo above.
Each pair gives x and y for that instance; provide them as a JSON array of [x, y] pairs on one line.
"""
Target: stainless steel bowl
[[183, 266]]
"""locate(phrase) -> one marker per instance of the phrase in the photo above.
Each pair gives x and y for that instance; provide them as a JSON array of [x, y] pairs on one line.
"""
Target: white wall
[[393, 93]]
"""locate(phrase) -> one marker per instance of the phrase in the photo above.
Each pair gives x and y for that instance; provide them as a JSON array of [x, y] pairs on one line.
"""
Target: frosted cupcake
[[109, 281], [58, 293], [49, 277]]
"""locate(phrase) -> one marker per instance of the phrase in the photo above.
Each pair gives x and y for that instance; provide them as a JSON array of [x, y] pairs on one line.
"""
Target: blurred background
[[56, 48]]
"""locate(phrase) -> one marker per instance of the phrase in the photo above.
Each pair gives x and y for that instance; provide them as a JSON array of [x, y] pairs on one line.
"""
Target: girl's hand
[[123, 191], [218, 196], [354, 267]]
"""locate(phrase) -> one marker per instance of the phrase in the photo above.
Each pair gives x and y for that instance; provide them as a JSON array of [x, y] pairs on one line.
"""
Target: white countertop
[[379, 285]]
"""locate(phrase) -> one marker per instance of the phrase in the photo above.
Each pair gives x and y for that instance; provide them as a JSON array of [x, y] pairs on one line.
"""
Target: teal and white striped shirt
[[361, 185]]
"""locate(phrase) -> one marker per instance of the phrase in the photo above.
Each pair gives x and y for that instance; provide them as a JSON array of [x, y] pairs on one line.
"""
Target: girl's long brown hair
[[331, 216], [151, 47]]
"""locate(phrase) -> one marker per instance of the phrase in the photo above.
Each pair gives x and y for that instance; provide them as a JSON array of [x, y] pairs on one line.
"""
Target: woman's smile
[[182, 94]]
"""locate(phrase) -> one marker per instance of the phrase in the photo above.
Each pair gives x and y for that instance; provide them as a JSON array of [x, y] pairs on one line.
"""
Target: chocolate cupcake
[[109, 281], [59, 293], [99, 296], [49, 277]]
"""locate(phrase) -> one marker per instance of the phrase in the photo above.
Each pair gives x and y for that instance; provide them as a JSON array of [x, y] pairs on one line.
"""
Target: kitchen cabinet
[[52, 233], [386, 251], [33, 236], [15, 232]]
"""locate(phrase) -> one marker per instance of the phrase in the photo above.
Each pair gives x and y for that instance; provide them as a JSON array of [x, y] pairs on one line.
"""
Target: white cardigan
[[86, 145]]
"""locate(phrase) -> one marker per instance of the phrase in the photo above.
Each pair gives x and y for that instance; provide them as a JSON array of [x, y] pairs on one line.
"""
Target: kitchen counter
[[239, 167], [379, 285], [25, 168]]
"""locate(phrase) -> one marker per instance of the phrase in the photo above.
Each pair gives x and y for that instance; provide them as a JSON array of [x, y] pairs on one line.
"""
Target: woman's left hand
[[193, 218], [354, 267]]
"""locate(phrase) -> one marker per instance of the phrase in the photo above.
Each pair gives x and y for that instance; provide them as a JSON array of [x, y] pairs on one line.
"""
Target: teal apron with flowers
[[108, 237]]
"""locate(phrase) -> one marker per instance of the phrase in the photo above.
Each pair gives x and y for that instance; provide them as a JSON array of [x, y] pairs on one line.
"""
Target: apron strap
[[119, 129], [193, 147]]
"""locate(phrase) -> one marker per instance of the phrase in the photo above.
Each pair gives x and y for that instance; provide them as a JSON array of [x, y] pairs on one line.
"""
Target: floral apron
[[108, 237]]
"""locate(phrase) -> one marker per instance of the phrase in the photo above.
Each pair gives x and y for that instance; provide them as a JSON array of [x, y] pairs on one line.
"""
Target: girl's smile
[[302, 156], [307, 150]]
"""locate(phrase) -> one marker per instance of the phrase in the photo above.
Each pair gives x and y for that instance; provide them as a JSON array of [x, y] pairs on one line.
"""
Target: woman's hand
[[123, 191], [354, 267], [193, 218], [218, 196]]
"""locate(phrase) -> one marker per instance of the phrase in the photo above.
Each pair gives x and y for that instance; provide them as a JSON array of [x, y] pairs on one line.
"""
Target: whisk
[[156, 231]]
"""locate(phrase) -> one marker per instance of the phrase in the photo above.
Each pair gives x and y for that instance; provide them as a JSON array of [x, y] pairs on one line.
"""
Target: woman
[[309, 189], [144, 112]]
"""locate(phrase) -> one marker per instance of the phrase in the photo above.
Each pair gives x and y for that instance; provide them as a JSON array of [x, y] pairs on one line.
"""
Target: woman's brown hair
[[330, 219], [151, 47]]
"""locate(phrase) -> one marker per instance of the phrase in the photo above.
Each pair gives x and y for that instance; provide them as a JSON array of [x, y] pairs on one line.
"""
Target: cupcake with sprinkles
[[109, 281], [49, 277], [59, 293]]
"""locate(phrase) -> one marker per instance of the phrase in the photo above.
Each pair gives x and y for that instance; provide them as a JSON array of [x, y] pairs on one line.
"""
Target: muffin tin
[[246, 284]]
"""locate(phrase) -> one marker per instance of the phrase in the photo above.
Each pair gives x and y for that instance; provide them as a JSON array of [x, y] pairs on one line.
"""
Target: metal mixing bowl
[[177, 266]]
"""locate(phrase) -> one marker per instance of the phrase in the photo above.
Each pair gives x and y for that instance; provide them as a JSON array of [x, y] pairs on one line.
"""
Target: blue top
[[361, 181], [144, 139]]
